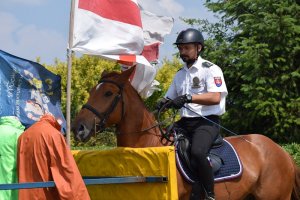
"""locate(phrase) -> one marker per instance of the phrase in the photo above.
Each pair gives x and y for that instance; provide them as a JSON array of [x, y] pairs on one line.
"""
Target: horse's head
[[104, 107]]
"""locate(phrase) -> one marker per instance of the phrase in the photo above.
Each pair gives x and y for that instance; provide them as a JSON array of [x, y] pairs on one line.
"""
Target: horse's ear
[[105, 72], [127, 73]]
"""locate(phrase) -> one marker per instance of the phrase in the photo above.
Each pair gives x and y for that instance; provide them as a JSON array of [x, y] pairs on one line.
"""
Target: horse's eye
[[108, 93]]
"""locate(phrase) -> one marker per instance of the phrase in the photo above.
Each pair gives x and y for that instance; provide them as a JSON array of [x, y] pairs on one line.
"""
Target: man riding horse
[[268, 171], [198, 89]]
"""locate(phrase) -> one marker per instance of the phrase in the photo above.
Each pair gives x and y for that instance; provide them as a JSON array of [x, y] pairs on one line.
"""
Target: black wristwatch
[[189, 98]]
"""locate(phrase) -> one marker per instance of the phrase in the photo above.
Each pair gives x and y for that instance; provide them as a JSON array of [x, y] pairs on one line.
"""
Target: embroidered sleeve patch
[[218, 81]]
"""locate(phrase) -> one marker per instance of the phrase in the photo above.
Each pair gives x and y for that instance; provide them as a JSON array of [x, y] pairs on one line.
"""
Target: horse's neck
[[132, 129]]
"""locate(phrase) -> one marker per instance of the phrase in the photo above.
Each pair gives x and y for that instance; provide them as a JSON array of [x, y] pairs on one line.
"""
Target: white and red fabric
[[155, 28], [107, 27], [119, 30], [142, 79]]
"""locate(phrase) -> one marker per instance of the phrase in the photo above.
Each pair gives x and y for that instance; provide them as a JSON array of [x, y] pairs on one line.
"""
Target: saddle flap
[[184, 149]]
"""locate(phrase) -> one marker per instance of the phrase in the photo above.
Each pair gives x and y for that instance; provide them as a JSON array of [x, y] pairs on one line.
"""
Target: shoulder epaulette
[[207, 64]]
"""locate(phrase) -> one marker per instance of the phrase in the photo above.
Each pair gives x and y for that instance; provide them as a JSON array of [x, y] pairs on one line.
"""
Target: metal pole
[[69, 73], [89, 181]]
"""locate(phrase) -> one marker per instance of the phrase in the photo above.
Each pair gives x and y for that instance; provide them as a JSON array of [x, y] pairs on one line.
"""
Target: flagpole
[[69, 73]]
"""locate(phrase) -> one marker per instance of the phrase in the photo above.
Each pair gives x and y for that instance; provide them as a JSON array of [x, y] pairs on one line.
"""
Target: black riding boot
[[196, 191], [209, 196], [206, 183]]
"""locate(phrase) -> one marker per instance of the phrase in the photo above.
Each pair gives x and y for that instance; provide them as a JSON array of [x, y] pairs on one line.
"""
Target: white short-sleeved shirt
[[202, 77]]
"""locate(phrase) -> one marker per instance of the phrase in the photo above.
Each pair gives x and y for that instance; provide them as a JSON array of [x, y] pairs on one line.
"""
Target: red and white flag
[[107, 27], [155, 28], [119, 30]]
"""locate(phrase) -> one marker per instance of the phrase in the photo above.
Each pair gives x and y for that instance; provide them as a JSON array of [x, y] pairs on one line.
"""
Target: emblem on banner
[[218, 81]]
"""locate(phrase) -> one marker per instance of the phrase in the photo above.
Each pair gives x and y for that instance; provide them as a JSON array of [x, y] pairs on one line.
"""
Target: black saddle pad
[[230, 168]]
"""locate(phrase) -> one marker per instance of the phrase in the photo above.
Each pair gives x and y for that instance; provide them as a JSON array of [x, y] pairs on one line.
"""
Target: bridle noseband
[[105, 115]]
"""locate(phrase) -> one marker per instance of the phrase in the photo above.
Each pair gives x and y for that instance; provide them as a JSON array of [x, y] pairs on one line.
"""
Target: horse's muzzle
[[82, 132]]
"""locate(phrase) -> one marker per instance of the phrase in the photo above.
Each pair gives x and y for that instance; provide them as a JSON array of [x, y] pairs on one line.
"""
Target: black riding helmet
[[190, 35]]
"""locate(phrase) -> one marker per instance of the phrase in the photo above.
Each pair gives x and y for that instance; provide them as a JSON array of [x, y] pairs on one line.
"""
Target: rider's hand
[[161, 103], [179, 101]]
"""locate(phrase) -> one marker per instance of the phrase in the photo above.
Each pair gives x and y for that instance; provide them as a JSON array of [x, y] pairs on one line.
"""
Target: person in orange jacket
[[43, 155]]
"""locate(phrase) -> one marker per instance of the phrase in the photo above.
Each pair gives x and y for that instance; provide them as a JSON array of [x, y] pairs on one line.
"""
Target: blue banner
[[28, 90]]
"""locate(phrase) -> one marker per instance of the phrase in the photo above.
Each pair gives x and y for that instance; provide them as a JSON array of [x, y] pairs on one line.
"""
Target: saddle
[[184, 151], [223, 158]]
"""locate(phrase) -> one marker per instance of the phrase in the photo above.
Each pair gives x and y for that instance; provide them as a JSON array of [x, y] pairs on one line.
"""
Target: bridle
[[105, 115]]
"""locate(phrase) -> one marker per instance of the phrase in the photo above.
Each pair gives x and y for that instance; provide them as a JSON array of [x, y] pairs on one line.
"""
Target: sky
[[40, 28]]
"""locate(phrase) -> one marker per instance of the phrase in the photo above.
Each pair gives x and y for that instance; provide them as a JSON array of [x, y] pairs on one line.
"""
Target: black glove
[[161, 103], [179, 102]]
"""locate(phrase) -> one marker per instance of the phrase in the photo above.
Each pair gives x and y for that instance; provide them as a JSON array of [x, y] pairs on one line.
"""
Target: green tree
[[256, 43]]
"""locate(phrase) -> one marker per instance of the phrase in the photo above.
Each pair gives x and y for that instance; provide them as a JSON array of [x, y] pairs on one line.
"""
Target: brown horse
[[269, 172]]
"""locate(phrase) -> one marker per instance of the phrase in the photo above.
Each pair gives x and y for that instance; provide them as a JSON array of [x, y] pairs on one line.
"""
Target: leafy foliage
[[101, 140], [294, 150]]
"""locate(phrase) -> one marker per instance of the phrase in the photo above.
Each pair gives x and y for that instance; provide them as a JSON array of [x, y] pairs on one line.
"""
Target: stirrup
[[209, 196]]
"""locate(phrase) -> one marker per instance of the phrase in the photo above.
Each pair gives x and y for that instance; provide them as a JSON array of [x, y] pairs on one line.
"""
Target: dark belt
[[214, 118]]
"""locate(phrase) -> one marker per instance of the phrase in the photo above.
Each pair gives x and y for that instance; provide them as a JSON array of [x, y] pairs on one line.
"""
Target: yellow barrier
[[154, 161]]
